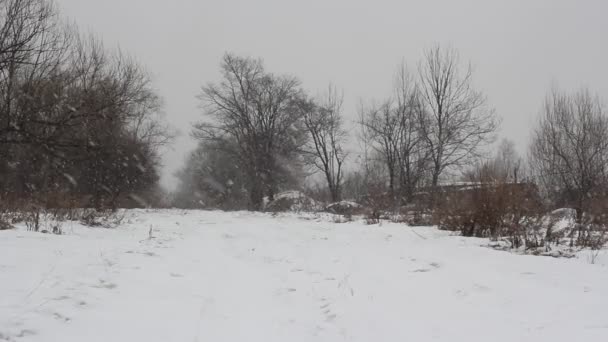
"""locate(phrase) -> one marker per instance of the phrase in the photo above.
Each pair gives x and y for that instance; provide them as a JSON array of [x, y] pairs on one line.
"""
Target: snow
[[349, 204], [291, 194], [344, 207], [213, 276], [561, 220]]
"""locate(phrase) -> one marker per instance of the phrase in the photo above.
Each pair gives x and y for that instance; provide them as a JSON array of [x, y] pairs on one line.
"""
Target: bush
[[372, 217], [509, 211], [4, 224], [102, 218]]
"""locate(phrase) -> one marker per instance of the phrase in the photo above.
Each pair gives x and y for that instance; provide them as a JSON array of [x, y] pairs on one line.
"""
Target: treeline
[[263, 133], [80, 124], [424, 149]]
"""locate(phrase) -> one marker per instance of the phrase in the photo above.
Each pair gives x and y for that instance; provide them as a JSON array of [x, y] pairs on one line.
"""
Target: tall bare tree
[[259, 111], [455, 118], [88, 119], [380, 127], [394, 131], [327, 135], [33, 45], [413, 154], [569, 148]]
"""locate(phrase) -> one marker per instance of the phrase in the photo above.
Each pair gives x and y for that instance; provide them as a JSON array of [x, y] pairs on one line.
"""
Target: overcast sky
[[519, 48]]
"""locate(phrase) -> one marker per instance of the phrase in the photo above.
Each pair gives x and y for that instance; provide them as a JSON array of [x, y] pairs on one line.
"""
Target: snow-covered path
[[212, 276]]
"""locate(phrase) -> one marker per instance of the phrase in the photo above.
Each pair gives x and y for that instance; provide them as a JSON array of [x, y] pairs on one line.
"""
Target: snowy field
[[212, 276]]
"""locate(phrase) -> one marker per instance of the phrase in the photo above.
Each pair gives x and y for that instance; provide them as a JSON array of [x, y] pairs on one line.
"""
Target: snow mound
[[563, 213], [344, 208], [292, 200], [560, 221]]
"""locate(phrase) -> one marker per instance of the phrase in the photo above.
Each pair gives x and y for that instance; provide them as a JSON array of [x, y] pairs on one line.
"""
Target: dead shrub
[[493, 210], [102, 218], [372, 217]]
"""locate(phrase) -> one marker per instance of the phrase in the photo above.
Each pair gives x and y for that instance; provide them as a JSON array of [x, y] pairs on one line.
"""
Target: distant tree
[[505, 167], [569, 149], [393, 131], [508, 162], [261, 113], [211, 178], [413, 154], [381, 130], [455, 118], [327, 135]]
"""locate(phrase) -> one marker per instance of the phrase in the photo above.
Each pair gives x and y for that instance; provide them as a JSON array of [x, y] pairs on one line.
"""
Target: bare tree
[[569, 148], [261, 113], [381, 132], [413, 154], [33, 47], [88, 120], [394, 131], [508, 162], [211, 179], [506, 167], [325, 128], [455, 119]]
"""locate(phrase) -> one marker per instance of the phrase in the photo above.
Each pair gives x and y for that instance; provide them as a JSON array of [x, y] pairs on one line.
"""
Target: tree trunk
[[256, 196], [335, 194], [391, 182], [435, 181]]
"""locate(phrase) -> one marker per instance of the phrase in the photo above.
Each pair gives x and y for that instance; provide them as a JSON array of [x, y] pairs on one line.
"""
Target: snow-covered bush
[[560, 227], [4, 224], [413, 217], [102, 218], [345, 208], [292, 201]]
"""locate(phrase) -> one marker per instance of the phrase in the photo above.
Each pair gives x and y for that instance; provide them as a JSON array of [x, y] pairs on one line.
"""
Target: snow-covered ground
[[212, 276]]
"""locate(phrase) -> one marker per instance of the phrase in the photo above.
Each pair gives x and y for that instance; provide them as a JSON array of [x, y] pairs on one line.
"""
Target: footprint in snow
[[105, 285], [433, 265], [476, 289], [21, 334], [326, 310], [61, 317], [421, 270], [284, 291], [461, 293], [481, 288]]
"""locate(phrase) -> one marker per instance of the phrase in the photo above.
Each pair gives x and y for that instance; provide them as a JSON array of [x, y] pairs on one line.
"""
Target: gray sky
[[519, 48]]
